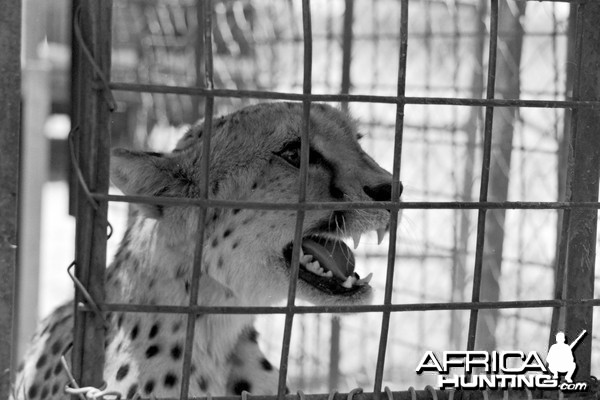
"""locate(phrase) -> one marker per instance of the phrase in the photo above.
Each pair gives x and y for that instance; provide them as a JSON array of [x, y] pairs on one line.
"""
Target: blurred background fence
[[258, 45]]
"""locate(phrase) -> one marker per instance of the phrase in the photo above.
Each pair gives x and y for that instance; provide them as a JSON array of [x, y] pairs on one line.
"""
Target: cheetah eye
[[291, 154]]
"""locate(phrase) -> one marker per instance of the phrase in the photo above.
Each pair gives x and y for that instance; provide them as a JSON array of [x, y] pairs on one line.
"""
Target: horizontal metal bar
[[257, 94], [361, 205], [429, 394], [191, 3], [335, 309]]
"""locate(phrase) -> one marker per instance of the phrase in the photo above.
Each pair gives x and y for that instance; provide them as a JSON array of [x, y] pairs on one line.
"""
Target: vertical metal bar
[[477, 13], [572, 83], [199, 62], [389, 282], [304, 151], [93, 155], [74, 110], [10, 126], [510, 38], [348, 36], [584, 185], [334, 353], [207, 7], [485, 171]]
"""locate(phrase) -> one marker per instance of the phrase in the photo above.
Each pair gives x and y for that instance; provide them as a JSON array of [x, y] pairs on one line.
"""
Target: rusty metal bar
[[558, 315], [257, 94], [389, 280], [304, 152], [74, 90], [94, 21], [584, 185], [207, 7], [404, 307], [10, 127], [428, 394], [485, 172], [364, 205], [347, 38]]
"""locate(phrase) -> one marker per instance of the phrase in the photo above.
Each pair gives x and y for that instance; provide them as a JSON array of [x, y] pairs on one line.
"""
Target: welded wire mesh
[[436, 105]]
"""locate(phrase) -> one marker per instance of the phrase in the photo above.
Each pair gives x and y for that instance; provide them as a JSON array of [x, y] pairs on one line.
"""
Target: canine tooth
[[380, 235], [356, 239], [349, 282], [364, 281]]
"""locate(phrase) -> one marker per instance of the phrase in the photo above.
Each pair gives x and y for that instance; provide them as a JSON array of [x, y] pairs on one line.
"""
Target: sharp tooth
[[356, 239], [380, 235], [313, 267], [305, 259], [349, 282], [364, 281], [316, 269]]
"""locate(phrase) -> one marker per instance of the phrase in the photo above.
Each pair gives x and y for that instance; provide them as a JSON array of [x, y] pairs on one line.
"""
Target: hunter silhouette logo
[[560, 357], [506, 369]]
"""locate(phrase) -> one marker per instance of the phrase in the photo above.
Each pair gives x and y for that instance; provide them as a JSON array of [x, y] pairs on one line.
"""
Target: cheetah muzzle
[[328, 265]]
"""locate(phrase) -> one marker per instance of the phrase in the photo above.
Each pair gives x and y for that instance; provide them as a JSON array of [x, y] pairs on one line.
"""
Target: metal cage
[[93, 101]]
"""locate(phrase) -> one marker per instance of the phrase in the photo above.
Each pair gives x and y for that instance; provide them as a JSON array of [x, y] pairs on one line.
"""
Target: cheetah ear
[[138, 173]]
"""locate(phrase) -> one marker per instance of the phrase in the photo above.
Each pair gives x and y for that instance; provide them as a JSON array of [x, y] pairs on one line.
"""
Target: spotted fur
[[254, 156]]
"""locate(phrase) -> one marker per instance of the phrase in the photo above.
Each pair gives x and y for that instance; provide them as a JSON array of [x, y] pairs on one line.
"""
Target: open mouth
[[328, 265]]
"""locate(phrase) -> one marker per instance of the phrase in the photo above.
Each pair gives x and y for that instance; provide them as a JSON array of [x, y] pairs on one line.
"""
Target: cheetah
[[255, 156]]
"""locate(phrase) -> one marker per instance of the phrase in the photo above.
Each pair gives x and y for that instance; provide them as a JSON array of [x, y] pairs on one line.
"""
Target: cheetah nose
[[381, 192]]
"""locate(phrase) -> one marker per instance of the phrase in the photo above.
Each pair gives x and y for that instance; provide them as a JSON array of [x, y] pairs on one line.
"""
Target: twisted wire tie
[[103, 84], [86, 392], [81, 180], [87, 296]]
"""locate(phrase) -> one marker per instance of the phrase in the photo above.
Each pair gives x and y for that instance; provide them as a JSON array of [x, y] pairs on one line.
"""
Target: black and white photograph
[[299, 199]]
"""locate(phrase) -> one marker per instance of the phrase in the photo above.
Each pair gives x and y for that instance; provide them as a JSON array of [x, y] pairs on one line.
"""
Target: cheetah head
[[255, 156]]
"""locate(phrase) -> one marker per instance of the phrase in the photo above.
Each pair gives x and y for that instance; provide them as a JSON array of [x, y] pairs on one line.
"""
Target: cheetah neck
[[146, 271]]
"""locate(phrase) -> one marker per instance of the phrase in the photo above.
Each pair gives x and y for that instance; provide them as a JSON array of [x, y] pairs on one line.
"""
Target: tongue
[[332, 255]]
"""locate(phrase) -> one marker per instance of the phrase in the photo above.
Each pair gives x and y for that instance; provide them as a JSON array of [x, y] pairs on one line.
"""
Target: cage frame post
[[10, 126], [584, 173], [93, 19]]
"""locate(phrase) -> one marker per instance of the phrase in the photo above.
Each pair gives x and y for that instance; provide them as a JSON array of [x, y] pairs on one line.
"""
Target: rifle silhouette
[[578, 339]]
